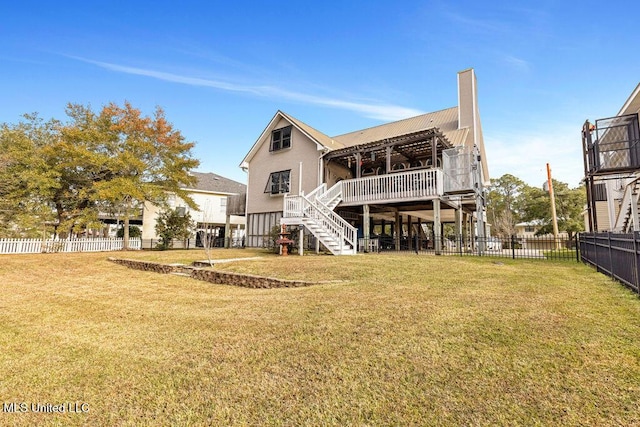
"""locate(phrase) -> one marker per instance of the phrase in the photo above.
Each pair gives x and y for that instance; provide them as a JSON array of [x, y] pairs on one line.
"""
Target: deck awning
[[408, 148]]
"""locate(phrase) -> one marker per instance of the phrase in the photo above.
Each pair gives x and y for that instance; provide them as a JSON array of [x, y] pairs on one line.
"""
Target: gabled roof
[[445, 120], [321, 140], [315, 134], [633, 103], [213, 183]]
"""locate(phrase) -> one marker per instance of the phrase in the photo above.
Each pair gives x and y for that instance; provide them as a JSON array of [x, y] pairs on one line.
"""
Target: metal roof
[[445, 120]]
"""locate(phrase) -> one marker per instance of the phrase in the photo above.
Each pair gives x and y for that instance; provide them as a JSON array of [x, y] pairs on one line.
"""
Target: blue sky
[[222, 69]]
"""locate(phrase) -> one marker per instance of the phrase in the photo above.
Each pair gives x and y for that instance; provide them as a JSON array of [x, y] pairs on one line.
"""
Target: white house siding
[[210, 211], [264, 210]]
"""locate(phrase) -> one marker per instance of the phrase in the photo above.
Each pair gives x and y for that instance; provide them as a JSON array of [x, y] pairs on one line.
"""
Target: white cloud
[[375, 110], [516, 63]]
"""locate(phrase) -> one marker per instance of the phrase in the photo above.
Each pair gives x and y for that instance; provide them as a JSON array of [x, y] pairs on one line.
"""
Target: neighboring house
[[211, 193], [530, 228], [612, 150], [394, 178]]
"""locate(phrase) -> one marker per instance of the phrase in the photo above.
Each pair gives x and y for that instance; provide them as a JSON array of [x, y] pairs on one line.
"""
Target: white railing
[[332, 223], [36, 246], [331, 194], [411, 185], [317, 192]]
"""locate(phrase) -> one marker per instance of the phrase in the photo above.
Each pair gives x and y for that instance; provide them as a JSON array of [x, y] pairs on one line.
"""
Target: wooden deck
[[422, 184]]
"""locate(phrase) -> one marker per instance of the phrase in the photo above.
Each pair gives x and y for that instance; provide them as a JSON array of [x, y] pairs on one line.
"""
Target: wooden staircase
[[624, 220], [315, 212]]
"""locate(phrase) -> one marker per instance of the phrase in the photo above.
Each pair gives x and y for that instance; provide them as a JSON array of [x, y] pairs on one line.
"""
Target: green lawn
[[397, 340]]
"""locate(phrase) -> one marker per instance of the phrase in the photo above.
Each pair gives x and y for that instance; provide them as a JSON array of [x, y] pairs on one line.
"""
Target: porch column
[[465, 227], [301, 240], [358, 165], [227, 232], [437, 227], [365, 227], [458, 216], [434, 152], [410, 232], [398, 227], [480, 224], [388, 160]]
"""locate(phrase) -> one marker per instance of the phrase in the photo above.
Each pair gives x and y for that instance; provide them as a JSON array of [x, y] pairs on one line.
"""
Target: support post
[[301, 240], [227, 232], [437, 227], [398, 228], [434, 152], [388, 160], [366, 227], [410, 232], [458, 219], [465, 228]]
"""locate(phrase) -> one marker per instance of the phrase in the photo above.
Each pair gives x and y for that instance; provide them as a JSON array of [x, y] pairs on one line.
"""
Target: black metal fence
[[614, 254], [534, 247]]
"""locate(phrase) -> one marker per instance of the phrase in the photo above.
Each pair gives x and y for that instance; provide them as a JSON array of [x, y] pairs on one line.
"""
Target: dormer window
[[280, 139]]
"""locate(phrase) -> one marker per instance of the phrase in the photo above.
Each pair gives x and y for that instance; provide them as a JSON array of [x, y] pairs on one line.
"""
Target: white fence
[[36, 246]]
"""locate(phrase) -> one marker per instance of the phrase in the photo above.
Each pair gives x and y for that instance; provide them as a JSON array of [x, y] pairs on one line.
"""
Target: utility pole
[[554, 218]]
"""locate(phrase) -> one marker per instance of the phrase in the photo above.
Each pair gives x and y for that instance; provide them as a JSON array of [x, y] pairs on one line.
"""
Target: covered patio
[[400, 188]]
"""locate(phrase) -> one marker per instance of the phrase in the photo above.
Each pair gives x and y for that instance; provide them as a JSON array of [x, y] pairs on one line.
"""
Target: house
[[403, 179], [530, 228], [612, 169], [211, 193]]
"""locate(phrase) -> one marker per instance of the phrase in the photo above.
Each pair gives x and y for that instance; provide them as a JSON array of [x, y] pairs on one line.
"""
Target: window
[[278, 182], [223, 205], [280, 139], [599, 193]]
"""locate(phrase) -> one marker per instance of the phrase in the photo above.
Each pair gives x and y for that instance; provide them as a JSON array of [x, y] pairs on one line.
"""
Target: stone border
[[212, 276]]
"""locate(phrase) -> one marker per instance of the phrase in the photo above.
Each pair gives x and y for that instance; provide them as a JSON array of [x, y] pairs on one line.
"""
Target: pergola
[[417, 149]]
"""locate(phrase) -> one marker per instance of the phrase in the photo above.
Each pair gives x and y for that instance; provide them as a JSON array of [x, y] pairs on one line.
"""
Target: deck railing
[[334, 224], [411, 185]]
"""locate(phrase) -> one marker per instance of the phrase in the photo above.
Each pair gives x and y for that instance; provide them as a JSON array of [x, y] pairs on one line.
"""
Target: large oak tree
[[110, 161]]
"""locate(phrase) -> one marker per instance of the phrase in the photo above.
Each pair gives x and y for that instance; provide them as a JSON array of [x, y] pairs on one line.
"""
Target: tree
[[504, 203], [172, 225], [134, 231], [136, 158], [66, 174], [28, 182], [147, 159], [569, 207]]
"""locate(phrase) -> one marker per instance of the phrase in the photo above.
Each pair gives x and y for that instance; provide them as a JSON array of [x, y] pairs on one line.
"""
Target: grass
[[403, 340], [559, 254]]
